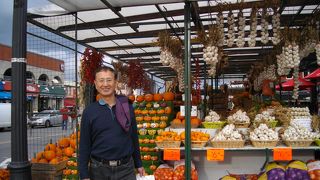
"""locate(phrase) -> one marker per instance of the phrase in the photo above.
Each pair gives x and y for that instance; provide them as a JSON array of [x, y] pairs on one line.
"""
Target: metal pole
[[205, 90], [187, 89], [76, 78], [20, 167]]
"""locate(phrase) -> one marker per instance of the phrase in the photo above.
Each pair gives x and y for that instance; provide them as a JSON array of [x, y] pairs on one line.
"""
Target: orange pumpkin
[[131, 98], [139, 118], [49, 155], [195, 122], [74, 171], [59, 152], [64, 142], [152, 111], [176, 122], [137, 111], [148, 97], [50, 146], [54, 161], [168, 96], [64, 158], [68, 151], [157, 97], [67, 172], [160, 111], [42, 161], [164, 118], [140, 98], [147, 118], [178, 116], [167, 110], [144, 112], [155, 118], [73, 143], [39, 155]]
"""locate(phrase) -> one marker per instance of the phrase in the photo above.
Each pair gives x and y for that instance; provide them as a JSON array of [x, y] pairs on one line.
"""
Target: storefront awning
[[314, 75], [5, 95], [52, 91], [288, 85]]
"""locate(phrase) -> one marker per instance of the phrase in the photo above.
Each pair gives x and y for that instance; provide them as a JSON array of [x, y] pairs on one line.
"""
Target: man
[[64, 111], [109, 139]]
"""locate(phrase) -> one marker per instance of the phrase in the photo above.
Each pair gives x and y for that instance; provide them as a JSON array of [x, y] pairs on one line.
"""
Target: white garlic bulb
[[239, 117], [212, 117], [263, 133], [318, 53], [297, 132], [264, 27], [241, 24], [253, 28], [276, 27], [231, 31], [264, 116], [229, 132]]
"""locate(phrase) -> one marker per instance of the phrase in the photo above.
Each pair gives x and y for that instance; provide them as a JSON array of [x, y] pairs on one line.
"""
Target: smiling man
[[109, 147]]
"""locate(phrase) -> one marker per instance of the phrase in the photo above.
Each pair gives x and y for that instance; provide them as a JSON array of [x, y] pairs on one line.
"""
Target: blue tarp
[[5, 95]]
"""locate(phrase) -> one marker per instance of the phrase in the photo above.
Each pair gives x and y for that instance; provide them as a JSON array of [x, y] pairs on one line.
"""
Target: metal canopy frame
[[140, 44]]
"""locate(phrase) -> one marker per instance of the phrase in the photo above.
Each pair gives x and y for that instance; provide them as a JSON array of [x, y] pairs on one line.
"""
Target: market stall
[[188, 44]]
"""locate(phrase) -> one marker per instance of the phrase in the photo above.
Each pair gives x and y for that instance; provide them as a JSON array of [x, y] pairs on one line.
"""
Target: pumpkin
[[152, 167], [149, 105], [140, 98], [155, 118], [160, 111], [163, 118], [50, 146], [39, 155], [148, 97], [157, 97], [137, 111], [152, 111], [176, 123], [69, 163], [144, 112], [68, 151], [131, 97], [178, 116], [147, 118], [64, 142], [195, 122], [162, 124], [54, 161], [43, 160], [67, 172], [73, 143], [65, 158], [74, 171], [168, 96], [59, 152], [167, 110], [49, 155], [34, 159], [139, 118]]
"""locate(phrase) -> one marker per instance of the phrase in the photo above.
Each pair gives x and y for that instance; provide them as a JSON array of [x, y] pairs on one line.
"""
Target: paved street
[[37, 139]]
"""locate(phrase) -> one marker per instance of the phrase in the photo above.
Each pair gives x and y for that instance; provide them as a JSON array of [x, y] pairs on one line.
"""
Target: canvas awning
[[314, 75], [288, 85]]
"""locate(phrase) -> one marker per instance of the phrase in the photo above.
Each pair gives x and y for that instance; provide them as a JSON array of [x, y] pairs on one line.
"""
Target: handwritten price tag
[[282, 154], [215, 154], [171, 154]]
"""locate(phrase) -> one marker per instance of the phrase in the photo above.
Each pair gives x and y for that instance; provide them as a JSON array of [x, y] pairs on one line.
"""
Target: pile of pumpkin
[[58, 152], [180, 122], [4, 174]]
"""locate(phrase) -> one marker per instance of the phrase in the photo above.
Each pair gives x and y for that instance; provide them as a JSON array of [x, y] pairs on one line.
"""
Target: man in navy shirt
[[109, 147]]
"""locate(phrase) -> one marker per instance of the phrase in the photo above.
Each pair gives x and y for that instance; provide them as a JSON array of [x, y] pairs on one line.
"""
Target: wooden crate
[[46, 175]]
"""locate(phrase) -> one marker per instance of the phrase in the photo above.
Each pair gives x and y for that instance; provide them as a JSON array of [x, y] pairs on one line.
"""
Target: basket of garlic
[[228, 137], [267, 118], [297, 136], [264, 136], [212, 121], [240, 119]]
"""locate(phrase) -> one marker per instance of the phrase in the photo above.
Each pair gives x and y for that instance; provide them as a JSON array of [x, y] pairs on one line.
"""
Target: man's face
[[105, 83]]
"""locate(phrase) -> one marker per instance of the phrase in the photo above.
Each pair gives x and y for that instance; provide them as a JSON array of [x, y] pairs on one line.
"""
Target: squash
[[54, 161], [157, 97], [168, 96], [64, 142], [49, 155], [131, 98], [178, 116], [140, 98], [68, 151], [148, 97], [167, 110], [50, 146]]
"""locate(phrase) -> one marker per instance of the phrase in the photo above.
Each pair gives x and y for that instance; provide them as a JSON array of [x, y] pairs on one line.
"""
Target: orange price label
[[282, 154], [171, 154], [215, 154]]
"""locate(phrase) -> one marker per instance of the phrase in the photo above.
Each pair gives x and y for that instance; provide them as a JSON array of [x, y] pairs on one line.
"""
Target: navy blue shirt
[[102, 137]]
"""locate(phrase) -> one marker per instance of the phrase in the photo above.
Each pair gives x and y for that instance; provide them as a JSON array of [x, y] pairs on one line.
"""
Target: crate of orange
[[198, 139], [168, 139]]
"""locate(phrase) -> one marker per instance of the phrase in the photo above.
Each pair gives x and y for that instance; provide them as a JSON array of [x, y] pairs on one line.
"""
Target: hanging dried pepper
[[90, 60]]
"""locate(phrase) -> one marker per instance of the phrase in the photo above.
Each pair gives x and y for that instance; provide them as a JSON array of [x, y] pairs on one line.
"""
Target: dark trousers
[[100, 171], [64, 124]]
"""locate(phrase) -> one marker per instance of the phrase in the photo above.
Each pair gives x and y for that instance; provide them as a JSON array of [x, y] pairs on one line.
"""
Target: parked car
[[46, 118], [5, 118]]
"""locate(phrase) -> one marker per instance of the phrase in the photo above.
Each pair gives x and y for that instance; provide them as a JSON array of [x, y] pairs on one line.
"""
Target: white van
[[5, 115]]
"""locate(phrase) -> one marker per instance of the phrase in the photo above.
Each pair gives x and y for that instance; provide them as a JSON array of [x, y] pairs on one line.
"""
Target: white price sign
[[193, 111], [304, 122]]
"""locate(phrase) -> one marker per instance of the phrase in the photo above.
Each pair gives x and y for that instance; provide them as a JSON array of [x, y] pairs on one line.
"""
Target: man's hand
[[141, 171]]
